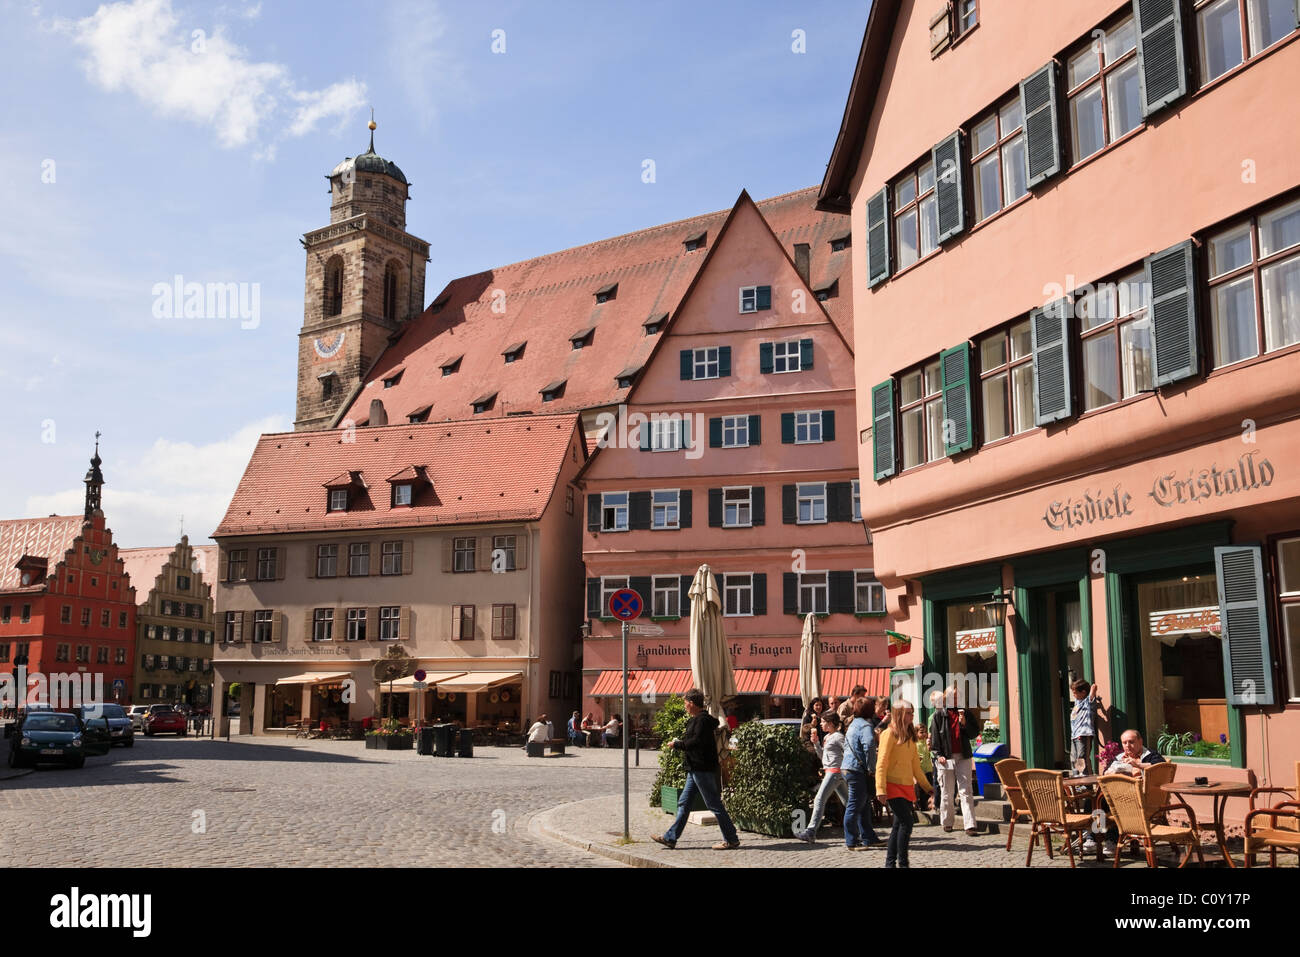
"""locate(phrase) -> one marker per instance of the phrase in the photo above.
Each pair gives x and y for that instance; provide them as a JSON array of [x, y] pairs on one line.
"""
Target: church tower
[[365, 280]]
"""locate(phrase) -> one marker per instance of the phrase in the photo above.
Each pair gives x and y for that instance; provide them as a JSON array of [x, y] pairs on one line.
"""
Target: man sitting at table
[[1136, 756]]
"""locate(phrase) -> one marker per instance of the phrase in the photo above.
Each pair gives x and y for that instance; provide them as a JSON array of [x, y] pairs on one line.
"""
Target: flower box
[[389, 742]]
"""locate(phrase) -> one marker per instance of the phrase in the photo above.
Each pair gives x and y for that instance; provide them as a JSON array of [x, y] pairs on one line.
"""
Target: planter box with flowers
[[390, 736]]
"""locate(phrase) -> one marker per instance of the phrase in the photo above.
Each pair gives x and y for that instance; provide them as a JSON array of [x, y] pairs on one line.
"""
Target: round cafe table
[[1220, 791]]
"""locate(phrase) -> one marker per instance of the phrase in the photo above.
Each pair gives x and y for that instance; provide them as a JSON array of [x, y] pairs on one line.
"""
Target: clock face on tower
[[327, 347]]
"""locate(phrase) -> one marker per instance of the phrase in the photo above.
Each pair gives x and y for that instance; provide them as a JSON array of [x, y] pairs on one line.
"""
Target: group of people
[[587, 732]]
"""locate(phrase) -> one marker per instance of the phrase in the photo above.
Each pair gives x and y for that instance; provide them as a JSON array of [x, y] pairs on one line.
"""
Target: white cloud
[[140, 47], [422, 58], [144, 498]]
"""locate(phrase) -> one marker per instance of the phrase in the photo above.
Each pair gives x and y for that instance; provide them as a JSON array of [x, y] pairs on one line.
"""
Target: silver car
[[136, 714]]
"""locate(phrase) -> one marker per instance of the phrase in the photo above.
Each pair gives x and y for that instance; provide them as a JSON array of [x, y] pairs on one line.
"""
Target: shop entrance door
[[1054, 657], [1069, 664]]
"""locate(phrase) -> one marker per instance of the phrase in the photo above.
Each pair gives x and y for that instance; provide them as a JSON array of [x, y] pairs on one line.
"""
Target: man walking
[[699, 748], [951, 732]]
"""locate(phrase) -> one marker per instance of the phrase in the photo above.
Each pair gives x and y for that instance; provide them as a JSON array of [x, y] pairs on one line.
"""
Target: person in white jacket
[[831, 751]]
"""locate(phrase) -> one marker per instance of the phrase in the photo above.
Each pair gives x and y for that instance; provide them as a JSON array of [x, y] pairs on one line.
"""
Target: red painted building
[[67, 606]]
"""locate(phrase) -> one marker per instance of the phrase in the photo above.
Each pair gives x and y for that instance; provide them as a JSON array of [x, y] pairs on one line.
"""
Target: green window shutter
[[688, 365], [805, 354], [765, 364], [840, 593], [1171, 279], [1050, 332], [643, 433], [1161, 53], [790, 593], [1243, 611], [638, 510], [789, 505], [724, 361], [593, 598], [684, 515], [760, 593], [878, 238], [593, 511], [764, 298], [954, 368], [1042, 126], [644, 587], [715, 433], [686, 431], [949, 190], [758, 504], [884, 450], [828, 425], [755, 430], [787, 428], [715, 508]]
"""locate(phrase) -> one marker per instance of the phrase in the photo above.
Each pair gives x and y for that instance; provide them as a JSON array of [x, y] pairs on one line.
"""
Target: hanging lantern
[[505, 696], [451, 696], [494, 697]]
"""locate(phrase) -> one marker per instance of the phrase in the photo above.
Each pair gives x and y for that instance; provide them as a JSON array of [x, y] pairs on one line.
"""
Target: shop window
[[1105, 99], [1288, 566], [916, 215], [973, 660], [1000, 173], [921, 412], [1115, 333]]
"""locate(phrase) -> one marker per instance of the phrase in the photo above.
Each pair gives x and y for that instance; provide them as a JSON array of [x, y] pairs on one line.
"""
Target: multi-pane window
[[356, 624], [607, 588], [705, 363], [1288, 587], [391, 553], [814, 595], [666, 602], [462, 622], [869, 594], [966, 14], [666, 433], [1115, 330], [503, 546], [359, 558], [735, 431], [613, 511], [121, 619], [262, 626], [164, 661], [402, 494], [737, 507], [322, 624], [105, 617], [390, 623], [4, 652], [119, 656], [238, 565], [228, 631], [1001, 174], [101, 655], [738, 594], [462, 554], [183, 582], [664, 512], [1230, 31], [6, 614], [857, 500], [920, 404], [811, 499], [61, 652], [785, 356], [749, 297], [83, 654], [807, 427], [327, 561], [1006, 361], [85, 618], [503, 621], [1105, 96], [266, 564], [65, 615], [1255, 285], [916, 215]]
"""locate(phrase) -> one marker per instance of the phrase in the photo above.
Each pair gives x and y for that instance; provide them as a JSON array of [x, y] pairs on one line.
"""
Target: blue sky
[[134, 149]]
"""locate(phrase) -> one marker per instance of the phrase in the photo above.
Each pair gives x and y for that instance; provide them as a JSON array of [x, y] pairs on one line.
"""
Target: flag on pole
[[899, 643]]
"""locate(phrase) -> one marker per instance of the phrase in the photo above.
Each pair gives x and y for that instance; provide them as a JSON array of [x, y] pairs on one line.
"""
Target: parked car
[[47, 737], [164, 719], [120, 729], [136, 714]]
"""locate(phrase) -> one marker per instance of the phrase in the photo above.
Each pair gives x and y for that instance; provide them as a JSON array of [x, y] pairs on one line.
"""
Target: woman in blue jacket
[[859, 768]]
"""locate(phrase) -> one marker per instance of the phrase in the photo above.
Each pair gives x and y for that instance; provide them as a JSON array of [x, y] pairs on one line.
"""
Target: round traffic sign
[[419, 675], [625, 604]]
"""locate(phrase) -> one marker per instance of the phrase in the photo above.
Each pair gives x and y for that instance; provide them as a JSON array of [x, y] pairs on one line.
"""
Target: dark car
[[164, 719], [120, 729], [47, 737]]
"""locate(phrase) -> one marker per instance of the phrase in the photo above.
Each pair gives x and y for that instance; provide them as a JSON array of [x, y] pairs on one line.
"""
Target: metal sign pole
[[626, 835]]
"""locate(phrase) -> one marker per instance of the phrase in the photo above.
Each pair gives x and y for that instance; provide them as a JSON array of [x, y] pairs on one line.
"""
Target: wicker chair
[[1154, 800], [1006, 770], [1127, 798], [1281, 831], [1044, 793]]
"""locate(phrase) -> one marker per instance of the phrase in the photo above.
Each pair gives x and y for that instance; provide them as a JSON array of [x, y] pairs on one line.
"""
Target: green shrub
[[670, 723], [774, 775]]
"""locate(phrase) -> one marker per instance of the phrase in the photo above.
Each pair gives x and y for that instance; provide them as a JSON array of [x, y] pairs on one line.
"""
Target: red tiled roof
[[49, 538], [835, 681], [483, 470], [144, 565], [550, 298]]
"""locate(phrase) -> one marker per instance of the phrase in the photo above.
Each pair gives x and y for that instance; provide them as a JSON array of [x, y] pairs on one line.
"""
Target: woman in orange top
[[898, 768]]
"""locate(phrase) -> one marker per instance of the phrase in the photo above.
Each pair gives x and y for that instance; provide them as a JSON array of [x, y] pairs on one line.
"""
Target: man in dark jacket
[[951, 733], [700, 757]]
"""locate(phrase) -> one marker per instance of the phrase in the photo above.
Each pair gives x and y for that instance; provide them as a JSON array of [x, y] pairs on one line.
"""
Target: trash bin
[[444, 740], [424, 743], [986, 755], [466, 749]]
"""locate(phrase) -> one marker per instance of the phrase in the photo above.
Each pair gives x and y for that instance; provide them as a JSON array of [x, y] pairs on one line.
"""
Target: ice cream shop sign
[[1185, 621]]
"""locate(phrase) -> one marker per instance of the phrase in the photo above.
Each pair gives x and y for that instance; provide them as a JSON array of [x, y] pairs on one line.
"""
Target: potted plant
[[670, 723], [390, 736], [773, 779]]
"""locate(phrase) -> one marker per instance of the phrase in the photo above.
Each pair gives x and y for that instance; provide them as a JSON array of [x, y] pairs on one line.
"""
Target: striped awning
[[753, 681], [786, 684], [408, 683], [835, 681], [639, 682]]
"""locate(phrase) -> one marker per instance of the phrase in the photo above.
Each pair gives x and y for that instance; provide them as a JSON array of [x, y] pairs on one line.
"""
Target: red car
[[164, 719]]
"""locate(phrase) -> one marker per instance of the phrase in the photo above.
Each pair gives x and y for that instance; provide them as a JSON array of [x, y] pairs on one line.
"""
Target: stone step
[[983, 825], [993, 792]]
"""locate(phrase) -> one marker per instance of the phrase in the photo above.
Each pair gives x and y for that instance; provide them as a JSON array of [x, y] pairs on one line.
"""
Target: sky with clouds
[[142, 140]]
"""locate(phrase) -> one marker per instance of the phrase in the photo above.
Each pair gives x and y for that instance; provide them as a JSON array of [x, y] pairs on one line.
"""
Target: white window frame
[[356, 627], [818, 592], [463, 554], [391, 558], [666, 507], [867, 577], [1288, 591], [327, 561], [666, 434], [390, 621], [809, 422], [747, 506], [322, 624], [857, 500], [803, 492], [263, 627], [671, 594], [620, 512], [733, 428], [338, 500], [608, 585], [748, 299], [358, 552], [702, 359], [402, 493], [740, 586], [507, 545], [787, 356]]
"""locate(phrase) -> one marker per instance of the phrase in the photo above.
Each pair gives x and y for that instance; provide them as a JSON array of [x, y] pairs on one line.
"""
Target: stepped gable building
[[739, 451], [174, 622], [1093, 434], [67, 606], [456, 542]]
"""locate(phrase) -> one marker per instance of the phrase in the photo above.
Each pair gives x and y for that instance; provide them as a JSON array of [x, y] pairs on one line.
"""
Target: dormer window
[[828, 292], [340, 489], [606, 293], [452, 367], [755, 298], [484, 403], [553, 391], [419, 415], [437, 307], [695, 242], [514, 353], [583, 338], [393, 379], [841, 243], [338, 500], [627, 377], [404, 483], [402, 494], [655, 323]]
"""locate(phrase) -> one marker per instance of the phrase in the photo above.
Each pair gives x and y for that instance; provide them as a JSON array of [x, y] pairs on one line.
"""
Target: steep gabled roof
[[48, 538], [545, 301], [144, 565]]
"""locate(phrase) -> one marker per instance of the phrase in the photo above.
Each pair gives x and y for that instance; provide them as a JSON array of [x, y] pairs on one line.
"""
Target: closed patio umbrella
[[710, 660], [810, 661]]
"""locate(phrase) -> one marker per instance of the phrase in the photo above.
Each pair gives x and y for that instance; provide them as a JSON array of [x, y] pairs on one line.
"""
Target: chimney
[[801, 261], [377, 414]]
